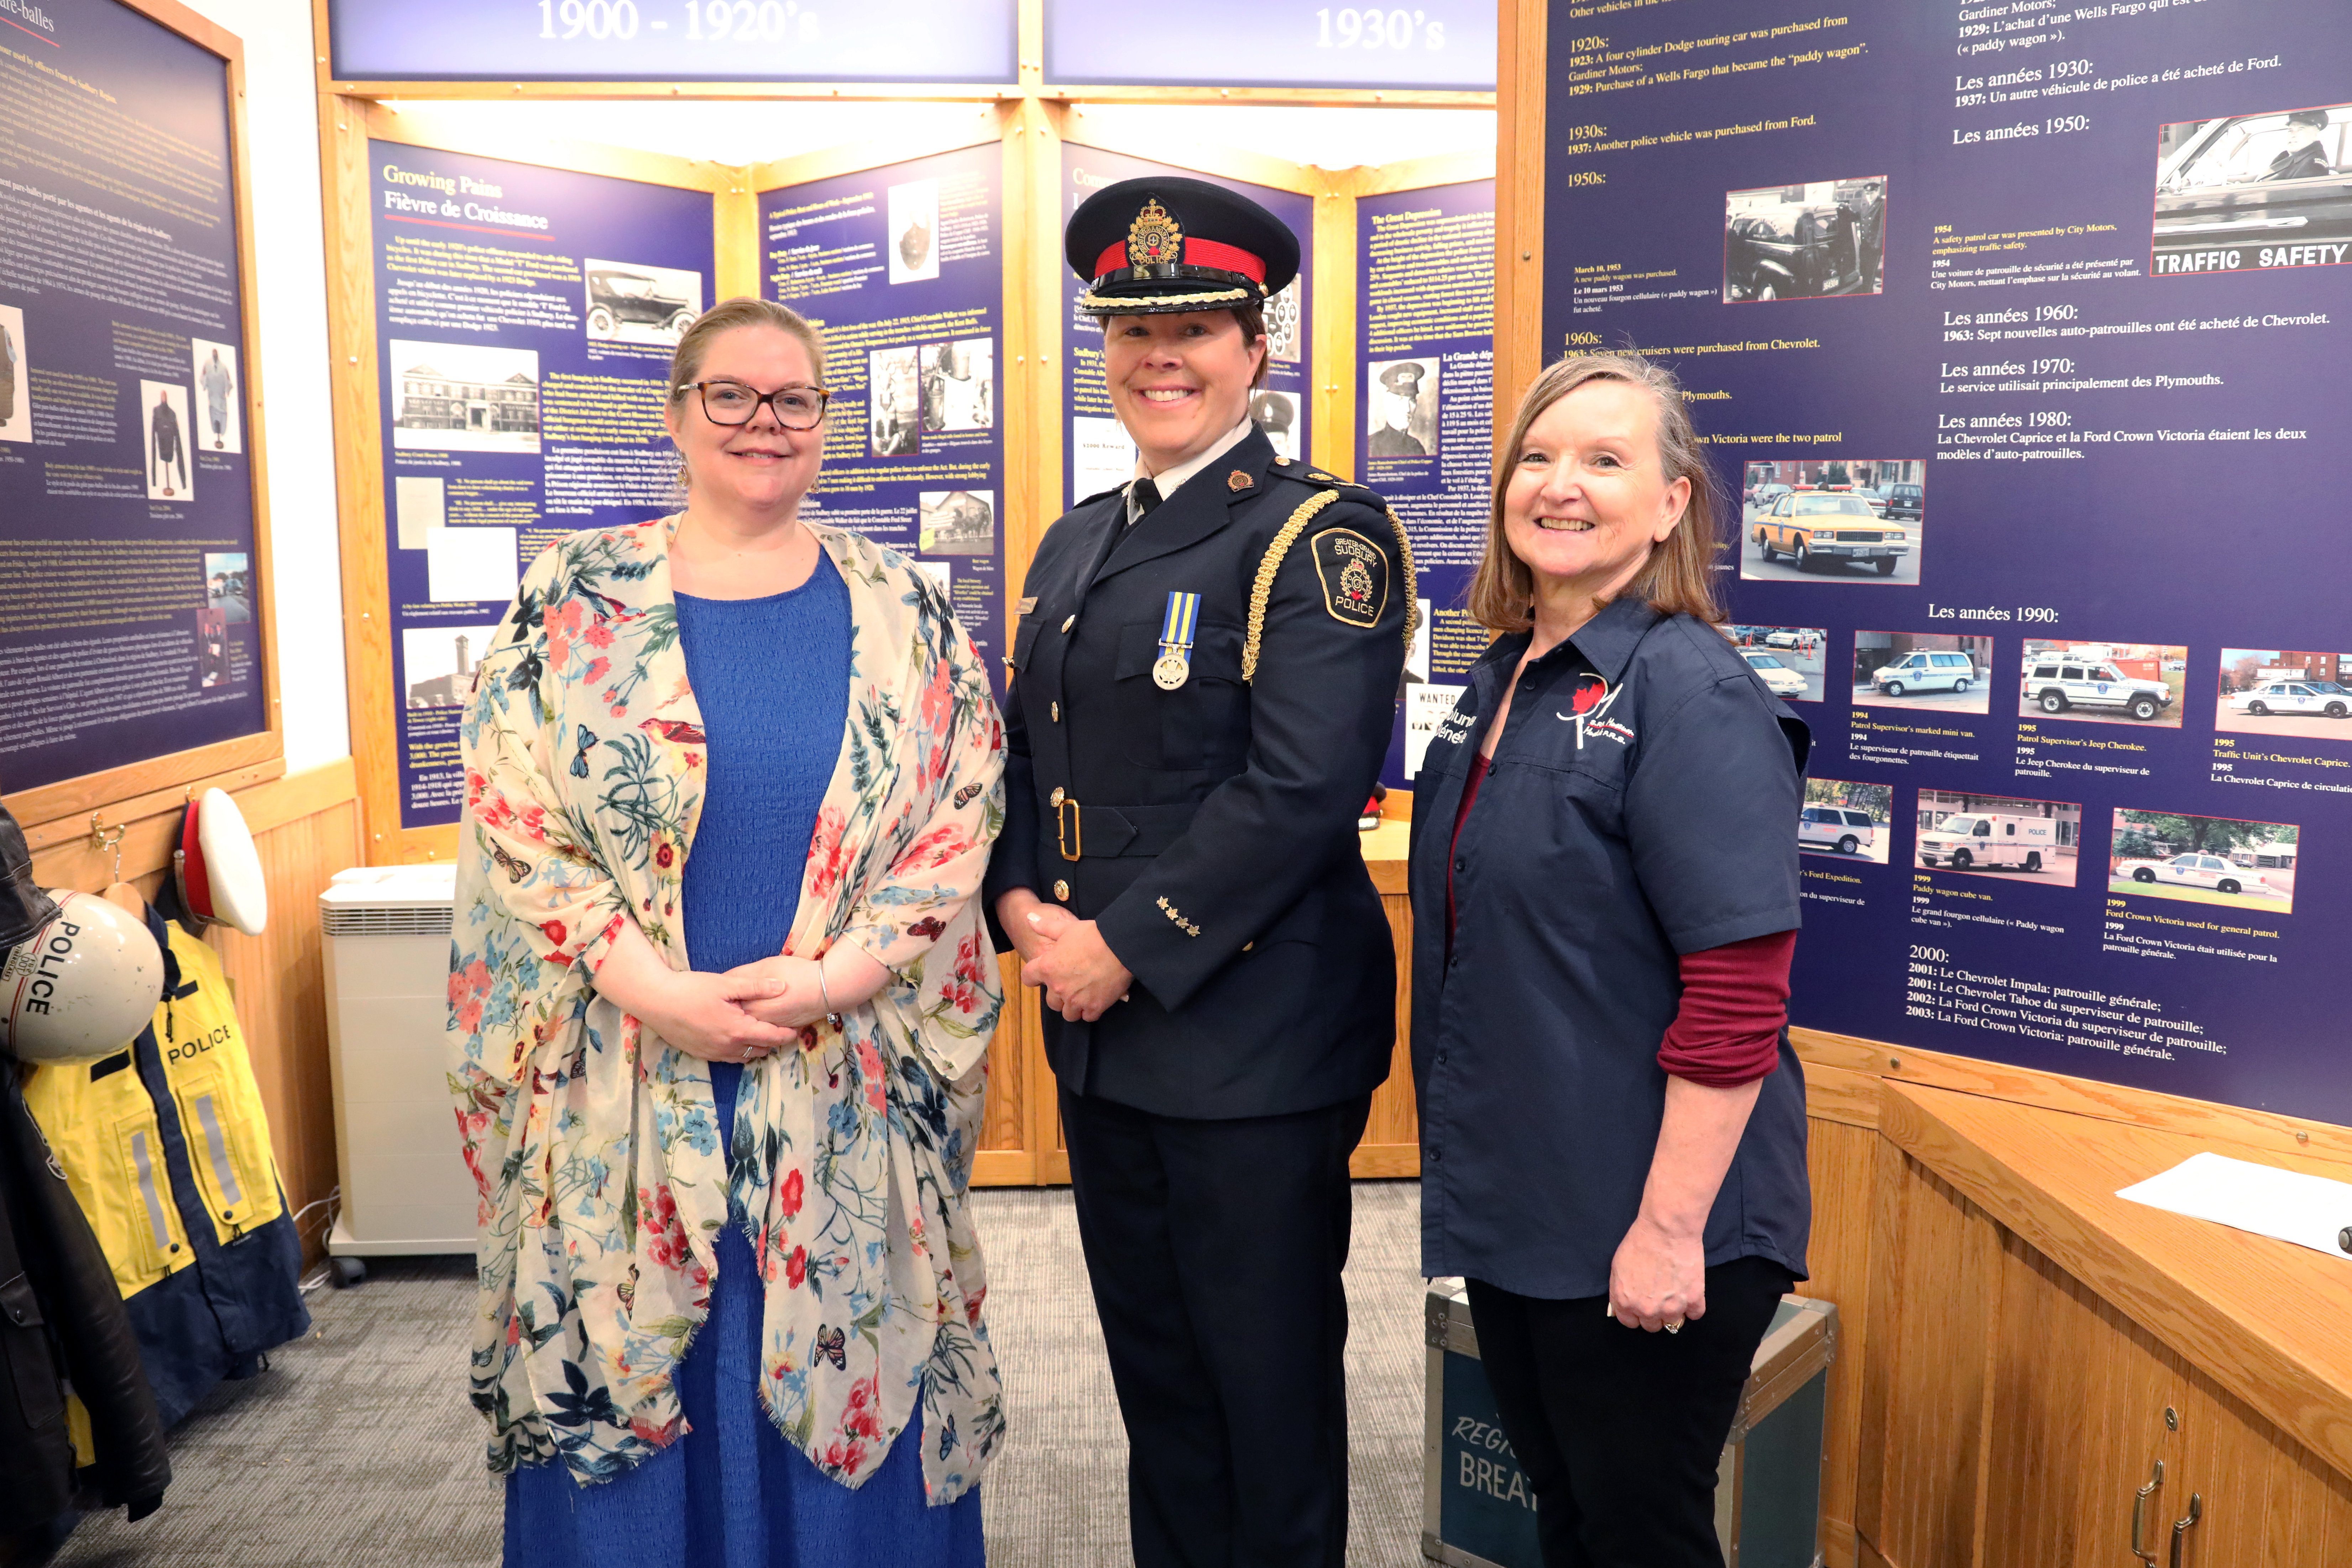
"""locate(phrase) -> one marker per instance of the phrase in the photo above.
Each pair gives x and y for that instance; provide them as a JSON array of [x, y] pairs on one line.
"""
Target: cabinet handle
[[2181, 1526], [2139, 1514]]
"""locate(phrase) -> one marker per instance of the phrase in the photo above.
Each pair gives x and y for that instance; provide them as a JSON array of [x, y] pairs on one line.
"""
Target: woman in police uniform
[[1202, 687]]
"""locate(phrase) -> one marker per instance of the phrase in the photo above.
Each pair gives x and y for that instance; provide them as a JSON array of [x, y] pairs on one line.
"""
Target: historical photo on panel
[[212, 648], [956, 523], [463, 398], [2286, 691], [1102, 455], [1277, 413], [2104, 682], [958, 380], [1923, 669], [914, 242], [632, 303], [15, 404], [1285, 340], [2204, 859], [2249, 193], [894, 401], [1400, 407], [1791, 661], [220, 396], [1853, 821], [1803, 241], [1834, 519], [1999, 835], [163, 428], [438, 662], [228, 586]]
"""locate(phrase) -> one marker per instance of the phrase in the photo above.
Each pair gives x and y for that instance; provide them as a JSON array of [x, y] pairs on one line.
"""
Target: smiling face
[[1587, 499], [760, 467], [1178, 381]]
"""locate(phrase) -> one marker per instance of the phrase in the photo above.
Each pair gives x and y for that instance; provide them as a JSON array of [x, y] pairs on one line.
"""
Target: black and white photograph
[[220, 396], [15, 404], [228, 586], [1804, 241], [1400, 407], [895, 402], [1102, 455], [1277, 413], [2133, 683], [914, 237], [956, 523], [959, 381], [1791, 661], [2205, 859], [438, 662], [163, 431], [2251, 193], [1833, 520], [1851, 821], [1950, 672], [2303, 692], [463, 398], [632, 303], [2001, 835], [1285, 323]]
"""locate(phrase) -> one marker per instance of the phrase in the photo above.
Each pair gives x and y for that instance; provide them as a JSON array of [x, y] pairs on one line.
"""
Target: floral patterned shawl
[[595, 1146]]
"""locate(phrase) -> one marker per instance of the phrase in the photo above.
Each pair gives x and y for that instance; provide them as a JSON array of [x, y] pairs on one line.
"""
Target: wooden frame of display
[[1518, 202], [52, 813]]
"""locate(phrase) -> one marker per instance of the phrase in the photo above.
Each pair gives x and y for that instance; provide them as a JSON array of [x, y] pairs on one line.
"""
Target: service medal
[[1174, 666], [1170, 670]]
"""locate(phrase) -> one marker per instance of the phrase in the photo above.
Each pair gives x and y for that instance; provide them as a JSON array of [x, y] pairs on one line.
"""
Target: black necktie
[[1146, 495]]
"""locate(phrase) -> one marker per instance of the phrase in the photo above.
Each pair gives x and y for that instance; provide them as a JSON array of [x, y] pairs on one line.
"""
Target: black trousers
[[1214, 1249], [1619, 1431]]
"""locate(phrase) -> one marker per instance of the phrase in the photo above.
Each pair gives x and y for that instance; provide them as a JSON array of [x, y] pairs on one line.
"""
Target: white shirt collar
[[1168, 480]]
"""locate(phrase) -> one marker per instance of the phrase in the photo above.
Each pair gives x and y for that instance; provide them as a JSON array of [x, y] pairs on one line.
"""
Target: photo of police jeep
[[2056, 686]]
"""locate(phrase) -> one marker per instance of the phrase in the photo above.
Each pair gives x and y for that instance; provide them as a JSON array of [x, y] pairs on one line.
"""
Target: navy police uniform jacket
[[1210, 830]]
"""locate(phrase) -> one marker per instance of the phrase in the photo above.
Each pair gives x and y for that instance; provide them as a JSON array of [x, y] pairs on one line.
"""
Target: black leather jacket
[[61, 1317]]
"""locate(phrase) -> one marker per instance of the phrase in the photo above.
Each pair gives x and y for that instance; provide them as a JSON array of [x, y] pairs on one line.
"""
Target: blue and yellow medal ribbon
[[1177, 628]]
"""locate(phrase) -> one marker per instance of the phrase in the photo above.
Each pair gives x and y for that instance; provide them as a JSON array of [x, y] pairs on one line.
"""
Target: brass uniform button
[[1062, 891], [1054, 799], [1069, 622], [1058, 712]]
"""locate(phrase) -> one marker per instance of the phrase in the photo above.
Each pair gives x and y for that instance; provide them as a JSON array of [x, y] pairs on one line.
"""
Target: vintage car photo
[[2205, 859], [2102, 683], [1804, 241], [2000, 835], [956, 523], [2285, 691], [1791, 661], [1923, 669], [1853, 821], [634, 304], [2250, 193], [1856, 520]]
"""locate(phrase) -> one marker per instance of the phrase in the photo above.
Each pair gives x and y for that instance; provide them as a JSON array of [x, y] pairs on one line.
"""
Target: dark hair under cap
[[1153, 246]]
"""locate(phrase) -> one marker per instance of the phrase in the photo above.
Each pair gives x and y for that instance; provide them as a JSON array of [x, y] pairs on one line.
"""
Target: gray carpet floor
[[356, 1448]]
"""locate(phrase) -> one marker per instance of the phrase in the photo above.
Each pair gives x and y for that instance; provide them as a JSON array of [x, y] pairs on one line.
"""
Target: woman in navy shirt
[[1604, 888]]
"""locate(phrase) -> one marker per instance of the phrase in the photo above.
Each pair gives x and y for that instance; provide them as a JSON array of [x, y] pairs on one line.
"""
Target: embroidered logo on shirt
[[1354, 573], [1592, 700]]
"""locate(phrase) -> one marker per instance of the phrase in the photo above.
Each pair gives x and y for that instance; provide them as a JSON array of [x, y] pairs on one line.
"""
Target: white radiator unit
[[406, 1189]]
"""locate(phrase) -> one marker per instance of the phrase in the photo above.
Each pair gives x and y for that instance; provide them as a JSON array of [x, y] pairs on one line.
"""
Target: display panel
[[1447, 45], [129, 623], [903, 268], [1426, 428], [672, 40], [2017, 333], [525, 317], [1095, 453]]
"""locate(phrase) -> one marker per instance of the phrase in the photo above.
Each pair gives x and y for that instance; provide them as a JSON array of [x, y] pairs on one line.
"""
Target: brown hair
[[1678, 577], [1250, 316], [743, 310]]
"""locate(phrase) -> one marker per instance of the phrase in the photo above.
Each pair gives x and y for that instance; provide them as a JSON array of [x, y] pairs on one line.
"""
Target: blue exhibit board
[[1426, 428], [524, 322], [672, 40], [903, 268], [129, 596], [1445, 45], [2018, 331], [1096, 452]]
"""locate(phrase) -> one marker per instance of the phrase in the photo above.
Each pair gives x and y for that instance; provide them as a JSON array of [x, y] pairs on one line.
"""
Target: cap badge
[[1154, 239]]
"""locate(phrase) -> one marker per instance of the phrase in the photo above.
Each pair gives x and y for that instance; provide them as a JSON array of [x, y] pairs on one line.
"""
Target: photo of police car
[[2100, 683], [2300, 692]]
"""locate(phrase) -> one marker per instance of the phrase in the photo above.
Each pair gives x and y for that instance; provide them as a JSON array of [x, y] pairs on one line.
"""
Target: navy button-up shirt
[[1642, 804]]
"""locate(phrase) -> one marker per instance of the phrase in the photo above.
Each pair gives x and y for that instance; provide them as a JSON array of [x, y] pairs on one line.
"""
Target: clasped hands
[[1082, 977]]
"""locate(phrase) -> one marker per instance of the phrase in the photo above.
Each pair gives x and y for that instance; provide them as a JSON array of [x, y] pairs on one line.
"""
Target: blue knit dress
[[771, 678]]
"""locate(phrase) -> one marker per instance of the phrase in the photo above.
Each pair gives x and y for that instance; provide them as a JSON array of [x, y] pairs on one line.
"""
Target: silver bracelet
[[822, 989]]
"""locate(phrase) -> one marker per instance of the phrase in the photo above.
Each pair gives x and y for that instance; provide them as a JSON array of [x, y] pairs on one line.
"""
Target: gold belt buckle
[[1069, 827]]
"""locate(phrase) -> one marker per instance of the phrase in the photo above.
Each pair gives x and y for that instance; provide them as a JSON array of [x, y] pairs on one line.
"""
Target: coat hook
[[104, 838]]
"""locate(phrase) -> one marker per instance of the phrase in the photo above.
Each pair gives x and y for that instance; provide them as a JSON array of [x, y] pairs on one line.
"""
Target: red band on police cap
[[193, 879], [1197, 253]]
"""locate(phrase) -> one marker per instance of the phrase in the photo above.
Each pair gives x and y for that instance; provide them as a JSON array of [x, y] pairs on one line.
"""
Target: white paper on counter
[[2309, 1211]]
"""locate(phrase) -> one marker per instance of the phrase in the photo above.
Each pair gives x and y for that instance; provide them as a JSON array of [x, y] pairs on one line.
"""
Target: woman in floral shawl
[[719, 1001]]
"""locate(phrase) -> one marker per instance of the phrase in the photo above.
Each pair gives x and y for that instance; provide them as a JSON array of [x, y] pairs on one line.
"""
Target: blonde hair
[[1678, 577], [743, 310]]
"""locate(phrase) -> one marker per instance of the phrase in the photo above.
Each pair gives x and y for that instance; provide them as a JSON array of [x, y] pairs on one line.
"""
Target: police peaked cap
[[1154, 246]]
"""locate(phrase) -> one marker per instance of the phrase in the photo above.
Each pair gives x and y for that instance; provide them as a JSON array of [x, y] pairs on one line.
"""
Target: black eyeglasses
[[733, 402]]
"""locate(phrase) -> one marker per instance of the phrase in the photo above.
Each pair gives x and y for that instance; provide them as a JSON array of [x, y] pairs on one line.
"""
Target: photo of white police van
[[1987, 841]]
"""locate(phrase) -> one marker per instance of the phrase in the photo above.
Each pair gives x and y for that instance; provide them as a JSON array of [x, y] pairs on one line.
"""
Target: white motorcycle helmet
[[84, 986]]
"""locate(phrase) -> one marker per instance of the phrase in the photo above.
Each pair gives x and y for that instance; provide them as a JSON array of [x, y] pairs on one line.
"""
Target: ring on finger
[[1674, 1328]]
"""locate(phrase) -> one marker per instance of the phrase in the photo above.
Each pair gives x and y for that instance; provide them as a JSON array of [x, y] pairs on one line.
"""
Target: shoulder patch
[[1354, 573]]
